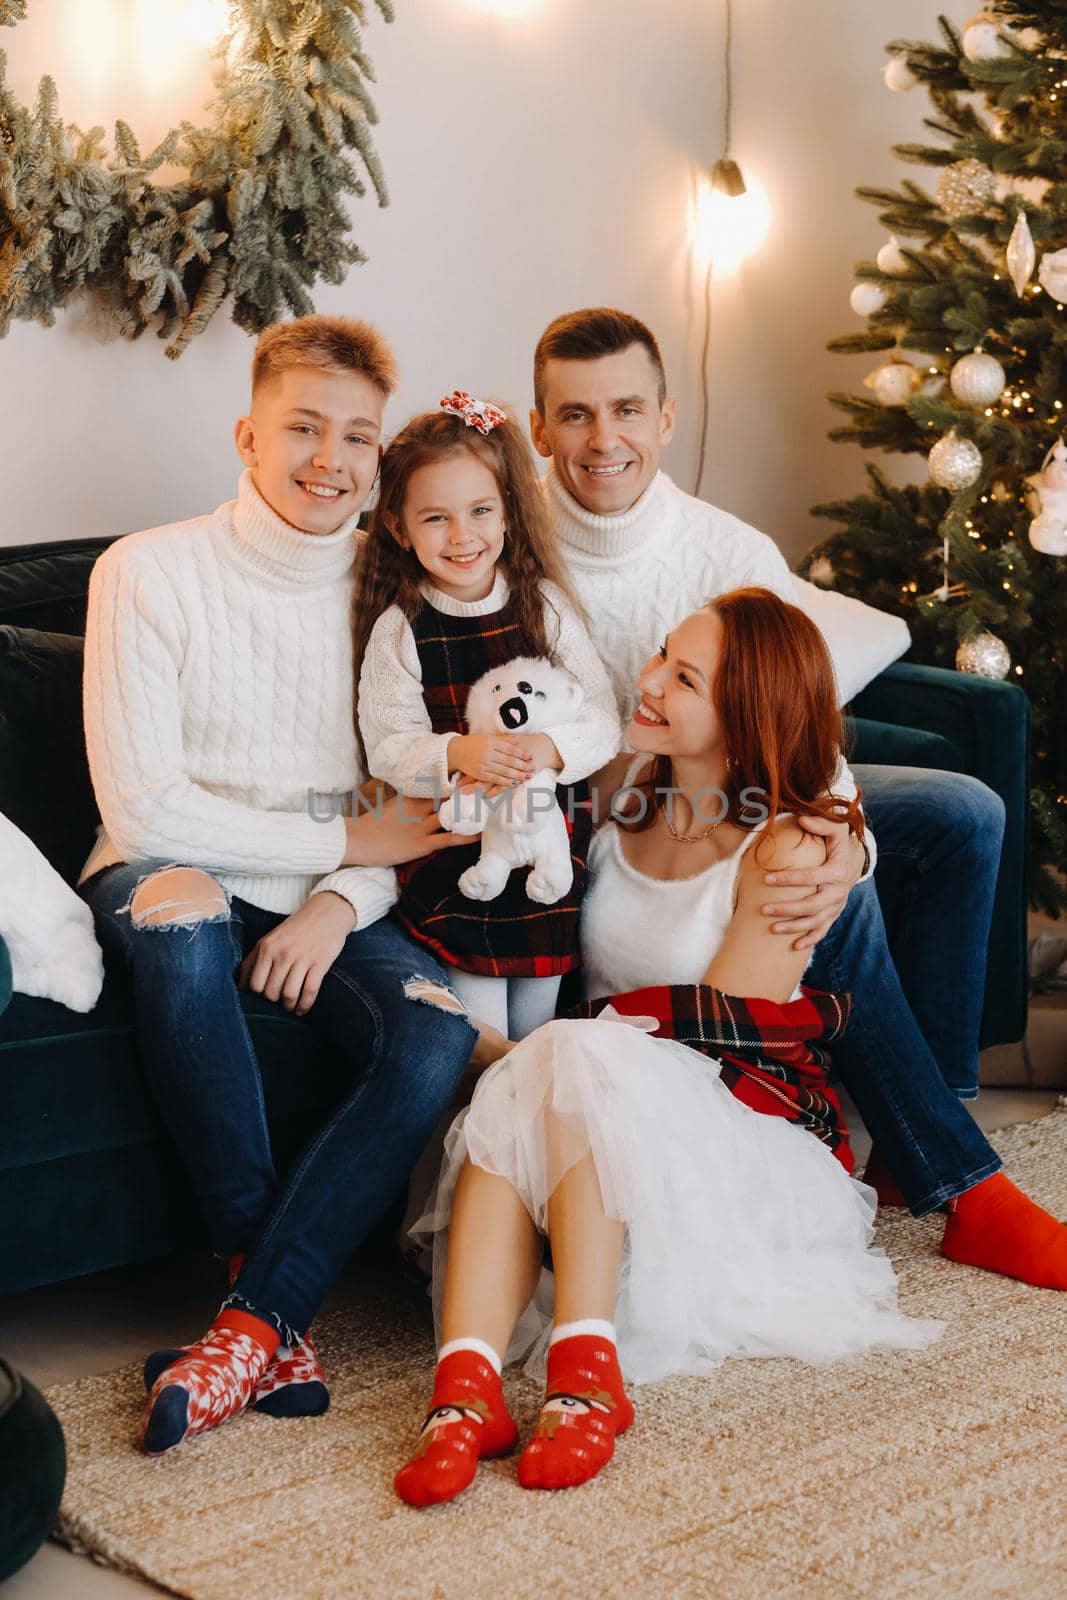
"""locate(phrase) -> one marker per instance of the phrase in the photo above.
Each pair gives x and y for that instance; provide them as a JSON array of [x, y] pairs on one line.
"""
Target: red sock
[[995, 1226], [212, 1381], [585, 1408], [882, 1181], [467, 1420]]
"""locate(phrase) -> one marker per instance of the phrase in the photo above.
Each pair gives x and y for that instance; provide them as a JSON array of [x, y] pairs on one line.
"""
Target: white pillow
[[46, 927], [862, 641]]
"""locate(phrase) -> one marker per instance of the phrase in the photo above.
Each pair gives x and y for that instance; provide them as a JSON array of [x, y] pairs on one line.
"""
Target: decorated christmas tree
[[968, 298]]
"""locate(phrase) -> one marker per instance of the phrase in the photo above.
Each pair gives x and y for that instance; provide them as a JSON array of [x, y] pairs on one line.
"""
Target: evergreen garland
[[258, 214], [954, 295]]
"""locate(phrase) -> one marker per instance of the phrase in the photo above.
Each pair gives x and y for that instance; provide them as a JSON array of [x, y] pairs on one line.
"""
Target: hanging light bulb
[[731, 217]]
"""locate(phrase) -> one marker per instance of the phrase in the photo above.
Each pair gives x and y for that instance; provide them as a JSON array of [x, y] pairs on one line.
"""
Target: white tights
[[515, 1006]]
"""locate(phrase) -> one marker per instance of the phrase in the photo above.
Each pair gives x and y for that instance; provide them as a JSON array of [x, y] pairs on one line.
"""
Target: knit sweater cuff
[[370, 891]]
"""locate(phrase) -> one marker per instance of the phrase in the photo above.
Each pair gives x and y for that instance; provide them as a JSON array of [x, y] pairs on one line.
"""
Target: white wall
[[536, 163]]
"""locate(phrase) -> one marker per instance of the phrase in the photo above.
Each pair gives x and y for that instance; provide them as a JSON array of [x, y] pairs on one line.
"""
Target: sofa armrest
[[5, 975], [987, 725]]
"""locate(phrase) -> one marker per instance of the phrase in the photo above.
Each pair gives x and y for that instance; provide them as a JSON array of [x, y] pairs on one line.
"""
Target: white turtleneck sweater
[[639, 573], [402, 747], [218, 705]]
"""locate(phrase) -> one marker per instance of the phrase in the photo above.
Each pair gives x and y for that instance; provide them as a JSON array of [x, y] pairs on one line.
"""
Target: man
[[642, 554]]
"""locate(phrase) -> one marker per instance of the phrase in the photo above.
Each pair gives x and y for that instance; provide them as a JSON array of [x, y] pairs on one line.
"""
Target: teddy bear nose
[[524, 687], [514, 713]]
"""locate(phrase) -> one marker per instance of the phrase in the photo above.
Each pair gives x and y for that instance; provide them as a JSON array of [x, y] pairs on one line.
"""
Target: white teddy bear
[[522, 827]]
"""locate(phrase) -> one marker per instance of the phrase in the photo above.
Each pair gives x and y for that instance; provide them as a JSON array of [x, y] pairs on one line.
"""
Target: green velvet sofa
[[87, 1177]]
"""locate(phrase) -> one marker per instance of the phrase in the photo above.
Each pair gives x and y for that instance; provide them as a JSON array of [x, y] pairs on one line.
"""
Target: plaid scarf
[[772, 1056], [511, 936]]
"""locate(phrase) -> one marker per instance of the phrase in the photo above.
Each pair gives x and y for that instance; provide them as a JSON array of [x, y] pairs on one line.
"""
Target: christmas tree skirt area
[[938, 1474]]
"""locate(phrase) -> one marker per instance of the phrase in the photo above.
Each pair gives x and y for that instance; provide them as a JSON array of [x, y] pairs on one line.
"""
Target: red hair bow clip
[[480, 414]]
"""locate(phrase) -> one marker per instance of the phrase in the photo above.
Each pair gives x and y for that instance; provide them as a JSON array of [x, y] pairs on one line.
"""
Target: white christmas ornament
[[984, 655], [891, 257], [867, 298], [982, 41], [1052, 274], [821, 572], [898, 75], [894, 383], [1020, 254], [977, 379], [1048, 531], [955, 462]]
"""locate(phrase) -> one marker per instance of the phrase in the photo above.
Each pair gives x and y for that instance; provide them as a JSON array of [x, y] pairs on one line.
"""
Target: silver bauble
[[955, 462], [821, 572], [984, 655], [965, 188], [867, 298], [977, 379]]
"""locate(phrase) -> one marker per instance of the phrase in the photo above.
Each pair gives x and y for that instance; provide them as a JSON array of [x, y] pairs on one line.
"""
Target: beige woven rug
[[895, 1477]]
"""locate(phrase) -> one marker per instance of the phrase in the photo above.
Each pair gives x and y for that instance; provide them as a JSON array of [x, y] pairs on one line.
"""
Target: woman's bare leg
[[494, 1261], [586, 1406], [586, 1247]]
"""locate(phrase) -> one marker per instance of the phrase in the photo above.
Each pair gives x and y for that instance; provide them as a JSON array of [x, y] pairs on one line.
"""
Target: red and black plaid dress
[[773, 1056], [512, 936]]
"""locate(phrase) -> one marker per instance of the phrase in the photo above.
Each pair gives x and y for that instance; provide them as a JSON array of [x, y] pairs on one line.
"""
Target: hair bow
[[480, 414]]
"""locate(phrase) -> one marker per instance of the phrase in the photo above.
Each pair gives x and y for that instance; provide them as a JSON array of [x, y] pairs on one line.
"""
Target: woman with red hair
[[661, 1139]]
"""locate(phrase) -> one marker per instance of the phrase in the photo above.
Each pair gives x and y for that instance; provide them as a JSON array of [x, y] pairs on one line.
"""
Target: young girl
[[458, 576]]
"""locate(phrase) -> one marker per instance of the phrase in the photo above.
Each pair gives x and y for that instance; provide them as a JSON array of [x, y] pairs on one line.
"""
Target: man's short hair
[[585, 335], [336, 344]]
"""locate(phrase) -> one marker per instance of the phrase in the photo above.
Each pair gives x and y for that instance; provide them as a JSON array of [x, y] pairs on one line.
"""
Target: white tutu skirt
[[744, 1236]]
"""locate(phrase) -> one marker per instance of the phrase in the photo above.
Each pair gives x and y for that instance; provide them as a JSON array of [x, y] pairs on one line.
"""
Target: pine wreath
[[258, 215]]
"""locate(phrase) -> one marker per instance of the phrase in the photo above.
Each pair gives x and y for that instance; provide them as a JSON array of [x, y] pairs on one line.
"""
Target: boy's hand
[[491, 757], [400, 830], [288, 964], [810, 918]]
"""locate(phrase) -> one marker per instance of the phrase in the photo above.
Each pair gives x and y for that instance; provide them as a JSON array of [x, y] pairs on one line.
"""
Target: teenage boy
[[642, 554], [219, 723]]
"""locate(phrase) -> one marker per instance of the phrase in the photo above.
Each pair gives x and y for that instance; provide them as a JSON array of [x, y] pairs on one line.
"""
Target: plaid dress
[[511, 936], [773, 1056]]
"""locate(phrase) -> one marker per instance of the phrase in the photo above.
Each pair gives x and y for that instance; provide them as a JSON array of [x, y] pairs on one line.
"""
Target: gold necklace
[[689, 838]]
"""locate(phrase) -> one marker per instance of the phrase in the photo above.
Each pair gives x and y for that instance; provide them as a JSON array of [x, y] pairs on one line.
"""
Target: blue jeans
[[406, 1058], [910, 1053]]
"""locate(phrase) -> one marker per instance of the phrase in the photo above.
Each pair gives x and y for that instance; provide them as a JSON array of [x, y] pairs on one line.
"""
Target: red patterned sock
[[995, 1226], [882, 1181], [212, 1381], [294, 1384], [585, 1409], [467, 1420]]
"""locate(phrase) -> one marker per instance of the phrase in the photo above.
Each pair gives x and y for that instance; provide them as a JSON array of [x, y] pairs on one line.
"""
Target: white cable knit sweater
[[218, 705], [401, 746], [639, 573]]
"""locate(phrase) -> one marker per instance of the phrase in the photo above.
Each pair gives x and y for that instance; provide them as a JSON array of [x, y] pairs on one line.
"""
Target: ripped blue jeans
[[407, 1055]]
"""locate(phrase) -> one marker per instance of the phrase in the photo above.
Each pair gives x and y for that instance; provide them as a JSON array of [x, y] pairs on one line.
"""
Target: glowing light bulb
[[725, 229]]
